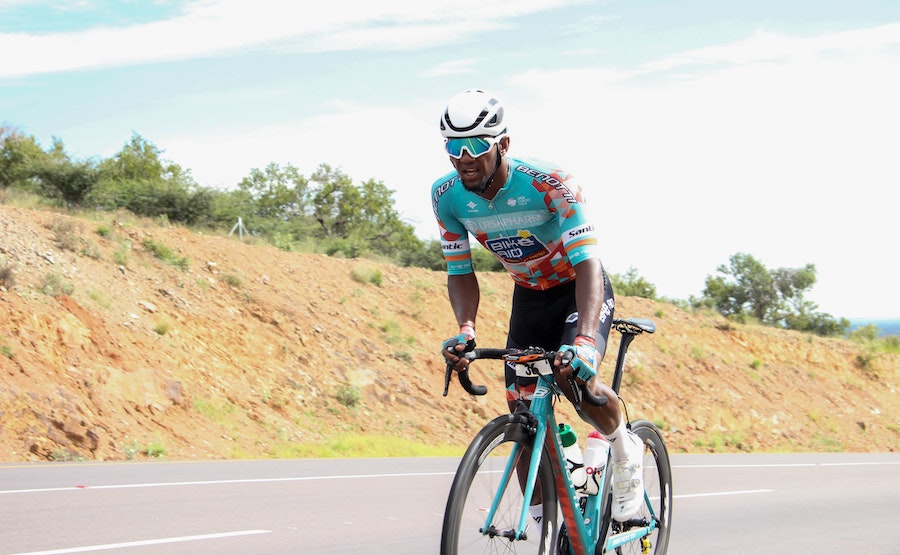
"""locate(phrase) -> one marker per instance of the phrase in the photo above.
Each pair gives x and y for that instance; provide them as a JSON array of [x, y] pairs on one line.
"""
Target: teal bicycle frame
[[583, 516]]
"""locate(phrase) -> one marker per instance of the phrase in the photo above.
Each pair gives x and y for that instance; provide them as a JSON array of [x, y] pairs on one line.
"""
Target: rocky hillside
[[122, 339]]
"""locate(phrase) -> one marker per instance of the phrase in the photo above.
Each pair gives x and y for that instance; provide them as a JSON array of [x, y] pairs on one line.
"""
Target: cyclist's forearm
[[465, 295], [588, 295]]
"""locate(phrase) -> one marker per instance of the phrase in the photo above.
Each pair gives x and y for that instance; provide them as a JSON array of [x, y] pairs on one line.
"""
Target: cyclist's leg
[[536, 320], [607, 418]]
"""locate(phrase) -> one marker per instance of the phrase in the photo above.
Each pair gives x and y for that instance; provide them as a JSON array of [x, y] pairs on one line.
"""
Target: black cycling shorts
[[548, 319]]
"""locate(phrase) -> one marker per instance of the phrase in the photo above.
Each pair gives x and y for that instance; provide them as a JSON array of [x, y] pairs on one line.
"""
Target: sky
[[699, 129]]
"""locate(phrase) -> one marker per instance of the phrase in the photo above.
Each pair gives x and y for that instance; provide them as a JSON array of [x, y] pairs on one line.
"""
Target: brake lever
[[447, 376]]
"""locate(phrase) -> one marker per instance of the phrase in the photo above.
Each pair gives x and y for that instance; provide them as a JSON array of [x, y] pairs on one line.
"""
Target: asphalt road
[[735, 504]]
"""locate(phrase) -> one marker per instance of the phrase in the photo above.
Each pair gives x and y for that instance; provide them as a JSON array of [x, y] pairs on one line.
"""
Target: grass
[[100, 297], [54, 285], [162, 327], [154, 450], [353, 445], [66, 234], [122, 254], [362, 274], [216, 412], [166, 254], [233, 280]]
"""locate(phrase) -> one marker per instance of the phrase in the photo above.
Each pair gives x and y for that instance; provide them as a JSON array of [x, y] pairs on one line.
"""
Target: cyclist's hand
[[462, 343], [584, 361]]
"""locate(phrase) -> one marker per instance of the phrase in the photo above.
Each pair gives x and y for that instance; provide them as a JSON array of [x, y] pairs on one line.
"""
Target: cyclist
[[532, 217]]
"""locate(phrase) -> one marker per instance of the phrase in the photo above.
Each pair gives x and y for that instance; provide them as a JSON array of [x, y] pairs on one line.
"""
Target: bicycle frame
[[583, 518]]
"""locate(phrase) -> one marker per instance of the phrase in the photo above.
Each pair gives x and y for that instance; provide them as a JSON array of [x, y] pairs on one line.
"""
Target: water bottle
[[595, 454], [574, 460]]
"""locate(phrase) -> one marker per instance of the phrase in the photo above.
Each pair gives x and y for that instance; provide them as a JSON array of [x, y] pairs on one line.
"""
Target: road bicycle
[[488, 506]]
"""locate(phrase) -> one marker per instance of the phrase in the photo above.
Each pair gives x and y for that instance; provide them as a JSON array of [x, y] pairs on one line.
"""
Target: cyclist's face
[[474, 172]]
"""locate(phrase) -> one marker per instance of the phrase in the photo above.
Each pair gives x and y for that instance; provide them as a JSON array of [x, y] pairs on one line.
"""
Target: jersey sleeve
[[454, 238], [579, 234]]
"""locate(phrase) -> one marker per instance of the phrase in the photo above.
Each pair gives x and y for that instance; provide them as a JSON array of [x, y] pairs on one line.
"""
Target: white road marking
[[218, 482], [713, 494], [146, 542]]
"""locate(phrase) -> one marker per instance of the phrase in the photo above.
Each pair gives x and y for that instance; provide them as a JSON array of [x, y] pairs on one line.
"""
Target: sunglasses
[[475, 146]]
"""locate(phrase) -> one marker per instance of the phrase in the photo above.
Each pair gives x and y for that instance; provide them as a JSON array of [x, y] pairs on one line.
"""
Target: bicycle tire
[[476, 483], [658, 484]]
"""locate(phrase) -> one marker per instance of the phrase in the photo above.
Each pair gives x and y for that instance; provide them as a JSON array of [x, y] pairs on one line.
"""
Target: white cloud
[[788, 158], [786, 151], [783, 148], [222, 27]]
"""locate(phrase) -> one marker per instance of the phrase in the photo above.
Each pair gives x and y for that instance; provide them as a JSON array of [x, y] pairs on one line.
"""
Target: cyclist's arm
[[465, 295], [588, 295]]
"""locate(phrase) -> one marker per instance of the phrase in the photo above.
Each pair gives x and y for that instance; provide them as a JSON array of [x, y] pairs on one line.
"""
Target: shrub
[[7, 276], [348, 396]]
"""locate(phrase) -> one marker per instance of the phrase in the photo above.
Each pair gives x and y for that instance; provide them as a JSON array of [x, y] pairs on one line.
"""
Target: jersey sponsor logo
[[580, 234], [453, 246], [503, 222], [554, 182], [439, 191], [520, 200], [520, 248], [574, 233]]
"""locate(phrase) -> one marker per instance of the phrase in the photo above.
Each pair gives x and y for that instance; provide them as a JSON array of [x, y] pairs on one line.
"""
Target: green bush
[[348, 396]]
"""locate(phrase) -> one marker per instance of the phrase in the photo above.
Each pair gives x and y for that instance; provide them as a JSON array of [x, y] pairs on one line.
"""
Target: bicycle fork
[[511, 464]]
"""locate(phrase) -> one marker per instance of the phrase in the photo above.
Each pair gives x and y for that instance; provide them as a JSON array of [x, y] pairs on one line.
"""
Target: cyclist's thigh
[[538, 319], [604, 324]]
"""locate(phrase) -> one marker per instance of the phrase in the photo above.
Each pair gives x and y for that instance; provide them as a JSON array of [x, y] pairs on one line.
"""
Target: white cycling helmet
[[473, 113]]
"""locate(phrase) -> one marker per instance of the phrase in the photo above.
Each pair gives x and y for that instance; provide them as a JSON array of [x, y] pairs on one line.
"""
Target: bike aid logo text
[[519, 248]]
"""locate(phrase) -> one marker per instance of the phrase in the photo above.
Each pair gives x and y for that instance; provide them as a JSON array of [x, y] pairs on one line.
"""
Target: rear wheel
[[658, 485], [479, 479]]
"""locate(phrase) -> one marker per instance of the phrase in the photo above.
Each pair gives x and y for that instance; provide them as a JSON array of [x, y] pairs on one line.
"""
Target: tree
[[139, 179], [65, 179], [746, 287], [355, 220], [276, 192], [139, 160], [334, 201], [19, 156], [632, 285]]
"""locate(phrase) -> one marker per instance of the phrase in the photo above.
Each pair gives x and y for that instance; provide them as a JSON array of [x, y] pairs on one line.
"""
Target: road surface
[[734, 504]]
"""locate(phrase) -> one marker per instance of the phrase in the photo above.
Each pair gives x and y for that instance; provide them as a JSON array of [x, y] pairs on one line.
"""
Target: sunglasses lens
[[475, 146]]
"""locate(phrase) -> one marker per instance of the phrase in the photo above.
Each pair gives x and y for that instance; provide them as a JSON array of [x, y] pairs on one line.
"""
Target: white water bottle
[[574, 459], [595, 454]]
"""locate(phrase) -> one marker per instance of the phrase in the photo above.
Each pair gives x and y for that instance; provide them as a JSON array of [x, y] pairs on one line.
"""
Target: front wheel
[[658, 501], [479, 482]]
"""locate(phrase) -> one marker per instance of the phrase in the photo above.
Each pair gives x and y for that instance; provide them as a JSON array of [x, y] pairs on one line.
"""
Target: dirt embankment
[[121, 340]]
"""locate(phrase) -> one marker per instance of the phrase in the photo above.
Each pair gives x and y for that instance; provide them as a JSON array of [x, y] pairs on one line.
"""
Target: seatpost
[[627, 338]]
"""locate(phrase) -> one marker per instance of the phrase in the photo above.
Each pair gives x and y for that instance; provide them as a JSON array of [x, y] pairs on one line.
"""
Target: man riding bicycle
[[532, 217]]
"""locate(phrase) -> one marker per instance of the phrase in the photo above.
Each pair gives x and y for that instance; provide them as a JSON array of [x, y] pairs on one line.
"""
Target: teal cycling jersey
[[536, 225]]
